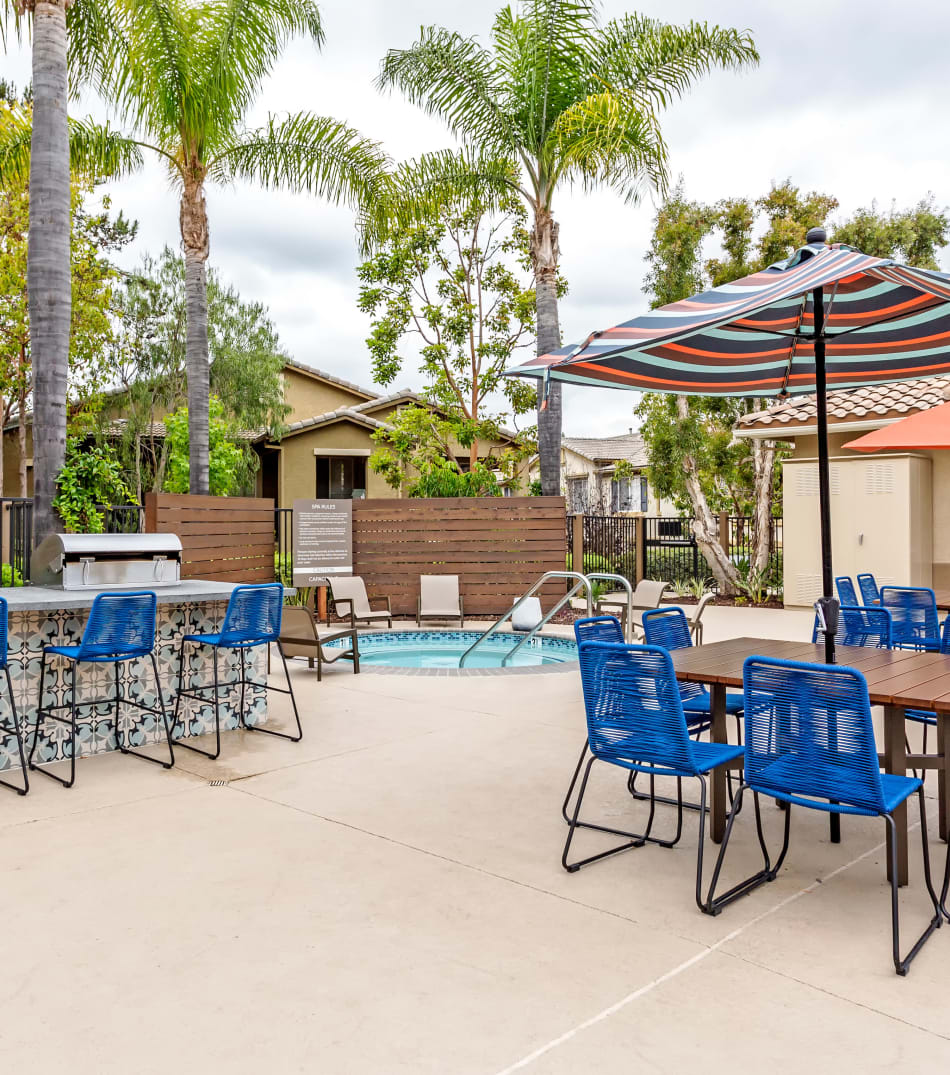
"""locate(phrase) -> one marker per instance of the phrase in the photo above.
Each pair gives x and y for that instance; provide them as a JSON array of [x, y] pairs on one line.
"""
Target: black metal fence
[[670, 551], [16, 531], [284, 545]]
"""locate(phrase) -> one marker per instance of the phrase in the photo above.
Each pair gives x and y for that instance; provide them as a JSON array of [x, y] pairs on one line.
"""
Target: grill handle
[[160, 562], [86, 561]]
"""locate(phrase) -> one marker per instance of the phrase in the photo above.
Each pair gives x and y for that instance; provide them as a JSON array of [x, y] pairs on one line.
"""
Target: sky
[[848, 99]]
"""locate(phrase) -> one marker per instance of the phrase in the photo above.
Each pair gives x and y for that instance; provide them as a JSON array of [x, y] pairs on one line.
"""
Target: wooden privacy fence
[[224, 538], [498, 546]]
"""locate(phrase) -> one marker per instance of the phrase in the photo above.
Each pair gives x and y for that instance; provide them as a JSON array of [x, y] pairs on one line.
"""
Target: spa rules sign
[[323, 540]]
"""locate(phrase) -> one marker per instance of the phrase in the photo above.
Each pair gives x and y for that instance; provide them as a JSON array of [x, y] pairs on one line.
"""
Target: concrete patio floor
[[387, 896]]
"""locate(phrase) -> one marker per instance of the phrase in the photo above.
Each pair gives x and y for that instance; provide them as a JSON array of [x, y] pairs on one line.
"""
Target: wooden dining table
[[897, 680], [943, 600]]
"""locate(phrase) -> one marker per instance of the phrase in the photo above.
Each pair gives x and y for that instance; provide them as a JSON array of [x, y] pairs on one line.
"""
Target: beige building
[[324, 451], [890, 511], [588, 465]]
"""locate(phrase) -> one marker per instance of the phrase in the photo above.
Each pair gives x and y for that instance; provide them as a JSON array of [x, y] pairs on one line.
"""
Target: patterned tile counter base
[[30, 631]]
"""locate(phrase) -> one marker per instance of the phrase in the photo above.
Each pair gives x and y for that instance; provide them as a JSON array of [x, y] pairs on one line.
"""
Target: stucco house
[[323, 452], [588, 465], [890, 511]]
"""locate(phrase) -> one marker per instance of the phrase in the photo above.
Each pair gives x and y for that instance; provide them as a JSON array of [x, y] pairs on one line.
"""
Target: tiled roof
[[293, 364], [883, 401], [628, 446], [157, 430], [352, 414]]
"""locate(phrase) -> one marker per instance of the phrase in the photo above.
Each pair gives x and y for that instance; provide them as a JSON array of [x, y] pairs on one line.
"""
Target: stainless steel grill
[[100, 561]]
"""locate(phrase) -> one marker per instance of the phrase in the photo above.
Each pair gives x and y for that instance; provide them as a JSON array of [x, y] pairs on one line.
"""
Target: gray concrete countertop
[[43, 598]]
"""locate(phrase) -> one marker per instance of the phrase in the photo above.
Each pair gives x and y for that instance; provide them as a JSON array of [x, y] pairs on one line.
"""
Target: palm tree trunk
[[21, 437], [544, 259], [194, 233], [48, 278]]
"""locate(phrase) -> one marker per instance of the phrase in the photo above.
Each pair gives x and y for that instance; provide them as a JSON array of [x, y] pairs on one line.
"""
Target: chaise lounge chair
[[299, 638], [349, 596], [439, 599], [647, 594]]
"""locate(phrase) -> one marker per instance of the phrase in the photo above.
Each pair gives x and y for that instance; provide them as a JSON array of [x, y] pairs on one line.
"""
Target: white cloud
[[848, 99]]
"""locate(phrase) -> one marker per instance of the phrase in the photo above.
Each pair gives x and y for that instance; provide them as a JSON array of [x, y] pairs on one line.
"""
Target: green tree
[[568, 99], [183, 75], [456, 287], [694, 456], [147, 357], [90, 477], [95, 235], [227, 471]]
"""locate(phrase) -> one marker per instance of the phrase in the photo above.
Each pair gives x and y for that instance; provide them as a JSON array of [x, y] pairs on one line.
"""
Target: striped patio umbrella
[[827, 315]]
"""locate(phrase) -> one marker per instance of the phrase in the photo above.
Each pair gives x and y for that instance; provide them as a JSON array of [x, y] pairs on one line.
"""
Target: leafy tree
[[568, 99], [147, 356], [420, 440], [94, 236], [694, 456], [227, 471], [183, 76], [91, 476], [456, 287]]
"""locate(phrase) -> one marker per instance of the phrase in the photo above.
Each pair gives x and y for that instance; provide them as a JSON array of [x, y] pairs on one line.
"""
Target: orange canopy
[[924, 430]]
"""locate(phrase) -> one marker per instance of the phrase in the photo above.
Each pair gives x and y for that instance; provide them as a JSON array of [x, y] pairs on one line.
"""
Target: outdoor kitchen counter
[[43, 615]]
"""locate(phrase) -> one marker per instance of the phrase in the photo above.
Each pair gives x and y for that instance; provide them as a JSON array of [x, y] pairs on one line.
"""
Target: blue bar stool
[[12, 724], [121, 628], [252, 619]]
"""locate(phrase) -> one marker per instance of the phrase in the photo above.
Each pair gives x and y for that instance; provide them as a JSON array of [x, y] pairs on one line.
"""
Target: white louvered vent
[[806, 481], [807, 589], [879, 479]]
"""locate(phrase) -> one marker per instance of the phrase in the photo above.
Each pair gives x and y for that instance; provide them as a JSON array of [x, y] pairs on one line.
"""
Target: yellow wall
[[308, 397], [11, 462], [298, 469]]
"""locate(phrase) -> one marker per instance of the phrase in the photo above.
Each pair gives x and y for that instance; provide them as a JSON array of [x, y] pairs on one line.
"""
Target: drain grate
[[217, 783]]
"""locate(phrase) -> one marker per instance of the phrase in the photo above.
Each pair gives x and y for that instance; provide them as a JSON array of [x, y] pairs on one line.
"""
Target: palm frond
[[659, 62], [607, 139], [555, 39], [310, 154], [16, 130], [453, 77], [242, 41], [96, 151], [428, 188], [146, 66]]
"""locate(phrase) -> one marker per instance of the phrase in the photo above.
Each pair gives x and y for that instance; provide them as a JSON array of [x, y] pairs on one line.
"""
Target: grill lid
[[51, 555]]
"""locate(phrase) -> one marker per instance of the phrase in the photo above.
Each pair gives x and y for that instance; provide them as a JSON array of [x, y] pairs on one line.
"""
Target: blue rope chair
[[635, 720], [669, 628], [927, 717], [914, 620], [120, 628], [12, 723], [252, 619], [810, 743], [861, 626], [845, 588], [870, 591]]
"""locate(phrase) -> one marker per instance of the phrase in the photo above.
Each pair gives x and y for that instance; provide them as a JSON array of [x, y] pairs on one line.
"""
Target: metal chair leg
[[40, 720], [293, 701], [902, 965], [713, 905], [217, 711], [19, 741]]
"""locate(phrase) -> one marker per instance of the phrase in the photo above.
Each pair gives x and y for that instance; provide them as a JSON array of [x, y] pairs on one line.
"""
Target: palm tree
[[46, 147], [182, 77], [570, 100]]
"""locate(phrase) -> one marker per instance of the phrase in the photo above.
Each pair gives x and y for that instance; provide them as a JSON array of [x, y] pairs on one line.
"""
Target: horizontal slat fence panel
[[224, 538], [498, 546]]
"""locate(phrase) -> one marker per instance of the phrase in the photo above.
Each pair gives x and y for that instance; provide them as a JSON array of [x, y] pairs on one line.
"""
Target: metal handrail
[[607, 577], [581, 583]]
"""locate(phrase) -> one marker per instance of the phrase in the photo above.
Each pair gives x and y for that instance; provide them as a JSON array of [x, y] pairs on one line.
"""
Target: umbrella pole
[[824, 492], [824, 482]]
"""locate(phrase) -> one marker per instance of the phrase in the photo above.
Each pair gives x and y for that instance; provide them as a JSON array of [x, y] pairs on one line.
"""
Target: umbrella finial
[[816, 235]]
